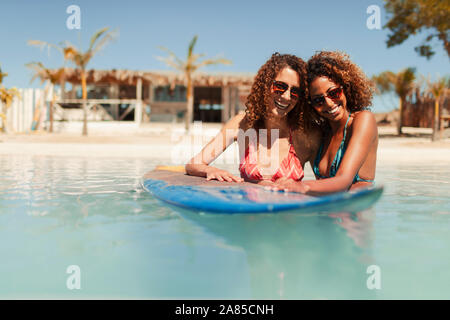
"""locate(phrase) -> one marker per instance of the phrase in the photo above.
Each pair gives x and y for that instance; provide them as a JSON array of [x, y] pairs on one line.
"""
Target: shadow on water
[[297, 256]]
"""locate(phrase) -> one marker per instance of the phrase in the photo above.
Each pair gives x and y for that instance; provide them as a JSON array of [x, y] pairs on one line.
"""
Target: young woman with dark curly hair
[[339, 96], [273, 138]]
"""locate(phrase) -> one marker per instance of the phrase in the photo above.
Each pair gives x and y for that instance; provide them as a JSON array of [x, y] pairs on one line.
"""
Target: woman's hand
[[290, 185], [199, 164], [221, 175]]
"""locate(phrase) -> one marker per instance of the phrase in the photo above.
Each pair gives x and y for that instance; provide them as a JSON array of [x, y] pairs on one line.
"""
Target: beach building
[[126, 101], [419, 110], [152, 96]]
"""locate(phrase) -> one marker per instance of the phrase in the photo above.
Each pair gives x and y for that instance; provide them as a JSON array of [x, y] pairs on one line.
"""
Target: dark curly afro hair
[[260, 94], [336, 66]]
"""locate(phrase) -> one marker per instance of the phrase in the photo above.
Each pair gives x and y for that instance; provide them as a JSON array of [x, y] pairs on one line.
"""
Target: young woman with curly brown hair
[[273, 138], [339, 96]]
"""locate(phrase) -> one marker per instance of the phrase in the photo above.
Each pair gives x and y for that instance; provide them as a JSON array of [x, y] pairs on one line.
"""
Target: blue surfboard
[[197, 194]]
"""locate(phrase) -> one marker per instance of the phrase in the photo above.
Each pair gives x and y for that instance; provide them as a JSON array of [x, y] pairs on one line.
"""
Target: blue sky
[[246, 32]]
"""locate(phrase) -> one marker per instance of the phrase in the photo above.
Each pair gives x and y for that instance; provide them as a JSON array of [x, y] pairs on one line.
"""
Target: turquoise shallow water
[[56, 212]]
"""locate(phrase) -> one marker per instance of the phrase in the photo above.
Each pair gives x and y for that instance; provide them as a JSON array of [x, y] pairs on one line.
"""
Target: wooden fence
[[23, 115], [418, 110]]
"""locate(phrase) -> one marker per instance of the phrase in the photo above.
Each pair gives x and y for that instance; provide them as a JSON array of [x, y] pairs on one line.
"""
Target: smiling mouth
[[333, 111], [281, 106]]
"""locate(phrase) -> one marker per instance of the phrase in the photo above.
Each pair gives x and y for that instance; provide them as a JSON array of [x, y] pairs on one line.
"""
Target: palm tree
[[437, 89], [81, 59], [401, 83], [187, 68], [50, 78], [6, 98], [2, 75]]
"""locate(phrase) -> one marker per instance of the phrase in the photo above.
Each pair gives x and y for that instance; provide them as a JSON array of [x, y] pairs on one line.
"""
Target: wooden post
[[62, 84], [234, 100], [190, 103], [151, 98], [138, 109], [435, 137], [50, 107], [226, 104], [400, 118], [85, 109], [114, 92]]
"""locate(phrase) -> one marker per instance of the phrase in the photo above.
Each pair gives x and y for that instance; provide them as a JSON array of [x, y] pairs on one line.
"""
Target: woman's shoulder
[[363, 116], [236, 122], [364, 121]]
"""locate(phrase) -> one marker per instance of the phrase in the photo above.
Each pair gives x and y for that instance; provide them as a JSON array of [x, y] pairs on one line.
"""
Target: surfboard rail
[[197, 194]]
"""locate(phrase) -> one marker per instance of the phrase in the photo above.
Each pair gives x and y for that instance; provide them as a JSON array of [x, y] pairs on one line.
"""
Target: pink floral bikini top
[[290, 167]]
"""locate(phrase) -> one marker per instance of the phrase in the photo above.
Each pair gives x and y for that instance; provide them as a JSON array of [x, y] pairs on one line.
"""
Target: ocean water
[[73, 228]]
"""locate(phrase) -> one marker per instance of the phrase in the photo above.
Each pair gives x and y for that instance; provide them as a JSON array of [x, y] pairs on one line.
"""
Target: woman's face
[[328, 98], [285, 91]]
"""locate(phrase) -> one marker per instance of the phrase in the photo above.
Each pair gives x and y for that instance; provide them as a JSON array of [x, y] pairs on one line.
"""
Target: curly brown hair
[[336, 66], [260, 94]]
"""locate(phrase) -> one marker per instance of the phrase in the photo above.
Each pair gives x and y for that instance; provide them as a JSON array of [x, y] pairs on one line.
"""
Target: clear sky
[[246, 32]]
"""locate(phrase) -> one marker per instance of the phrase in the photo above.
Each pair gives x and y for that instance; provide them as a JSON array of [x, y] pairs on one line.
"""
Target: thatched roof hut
[[138, 88], [159, 78]]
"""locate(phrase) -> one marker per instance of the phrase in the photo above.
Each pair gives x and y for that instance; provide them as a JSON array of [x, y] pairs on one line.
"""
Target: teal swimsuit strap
[[316, 162], [337, 159], [340, 152], [359, 179]]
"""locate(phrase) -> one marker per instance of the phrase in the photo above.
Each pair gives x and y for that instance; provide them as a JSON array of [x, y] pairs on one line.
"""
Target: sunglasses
[[280, 87], [333, 94]]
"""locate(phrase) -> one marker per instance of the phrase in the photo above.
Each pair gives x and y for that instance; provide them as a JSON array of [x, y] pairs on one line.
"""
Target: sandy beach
[[414, 147]]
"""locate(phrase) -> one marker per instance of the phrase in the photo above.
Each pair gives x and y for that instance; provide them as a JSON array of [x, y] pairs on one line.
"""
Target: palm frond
[[39, 71], [193, 58], [8, 95], [192, 45], [438, 87], [405, 81], [96, 36], [2, 75], [384, 81], [69, 52], [42, 45], [208, 62], [100, 41], [171, 63], [402, 83], [191, 64], [172, 55]]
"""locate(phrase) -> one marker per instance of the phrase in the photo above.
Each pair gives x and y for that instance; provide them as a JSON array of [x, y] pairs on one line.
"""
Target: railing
[[135, 105]]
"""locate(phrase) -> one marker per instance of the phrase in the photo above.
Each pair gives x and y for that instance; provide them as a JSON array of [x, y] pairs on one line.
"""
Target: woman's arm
[[364, 134], [199, 164]]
